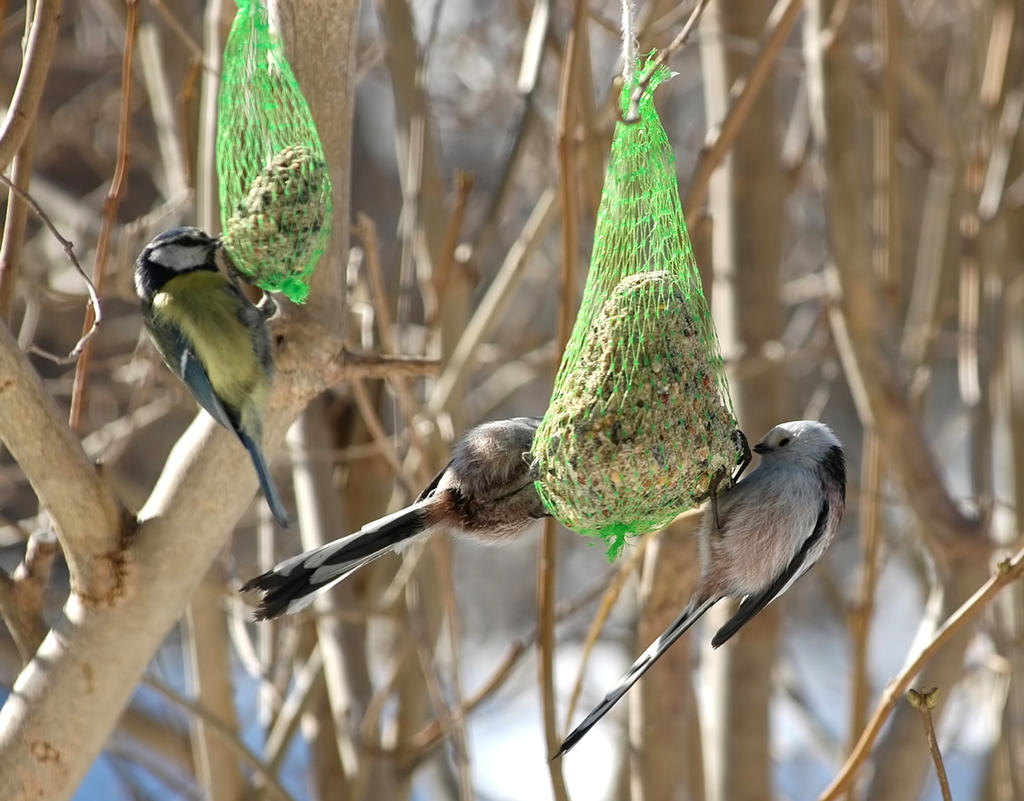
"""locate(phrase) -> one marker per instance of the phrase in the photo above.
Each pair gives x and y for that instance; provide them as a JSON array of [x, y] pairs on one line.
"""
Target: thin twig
[[742, 96], [366, 231], [369, 726], [997, 54], [633, 113], [435, 26], [229, 737], [14, 227], [373, 365], [1007, 571], [407, 402], [494, 302], [165, 119], [432, 735], [463, 186], [110, 208], [546, 650], [443, 551], [376, 429], [999, 161], [209, 675], [611, 595], [410, 226], [289, 717], [454, 727], [548, 552], [182, 33], [22, 594], [69, 251], [21, 112], [924, 701], [526, 84], [860, 616]]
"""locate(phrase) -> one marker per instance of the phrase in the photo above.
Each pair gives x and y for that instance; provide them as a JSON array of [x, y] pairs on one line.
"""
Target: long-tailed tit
[[772, 527], [486, 491]]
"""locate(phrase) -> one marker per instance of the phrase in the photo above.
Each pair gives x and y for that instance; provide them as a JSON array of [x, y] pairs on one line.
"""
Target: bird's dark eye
[[783, 441]]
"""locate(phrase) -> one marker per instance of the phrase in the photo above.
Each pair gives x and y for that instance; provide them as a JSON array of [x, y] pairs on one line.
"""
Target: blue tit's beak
[[761, 448]]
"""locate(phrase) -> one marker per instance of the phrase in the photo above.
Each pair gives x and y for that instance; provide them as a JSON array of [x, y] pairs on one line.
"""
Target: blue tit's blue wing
[[198, 382]]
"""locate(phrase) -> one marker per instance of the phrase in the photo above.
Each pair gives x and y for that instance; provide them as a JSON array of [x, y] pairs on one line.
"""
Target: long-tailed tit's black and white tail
[[485, 491], [772, 527], [679, 626], [293, 584]]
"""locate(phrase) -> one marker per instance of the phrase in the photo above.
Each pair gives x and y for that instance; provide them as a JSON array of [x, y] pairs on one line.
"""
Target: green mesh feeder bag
[[640, 425], [275, 191]]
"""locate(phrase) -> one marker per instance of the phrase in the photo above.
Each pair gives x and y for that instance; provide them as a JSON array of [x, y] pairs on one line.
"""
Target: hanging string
[[629, 43]]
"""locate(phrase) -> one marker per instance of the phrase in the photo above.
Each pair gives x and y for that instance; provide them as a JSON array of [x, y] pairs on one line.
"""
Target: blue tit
[[210, 336]]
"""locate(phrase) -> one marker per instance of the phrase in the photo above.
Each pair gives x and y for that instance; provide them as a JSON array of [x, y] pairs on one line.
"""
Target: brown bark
[[746, 197]]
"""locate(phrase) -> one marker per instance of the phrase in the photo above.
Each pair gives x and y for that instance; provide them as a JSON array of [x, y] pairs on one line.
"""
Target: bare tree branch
[[1007, 571], [69, 251], [14, 226], [110, 207], [25, 101], [21, 595], [742, 95], [209, 665], [69, 697], [664, 724], [85, 514], [870, 345], [923, 701], [633, 113], [228, 736]]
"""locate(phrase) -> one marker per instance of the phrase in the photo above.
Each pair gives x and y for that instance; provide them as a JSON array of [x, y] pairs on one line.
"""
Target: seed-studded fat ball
[[640, 429], [273, 233]]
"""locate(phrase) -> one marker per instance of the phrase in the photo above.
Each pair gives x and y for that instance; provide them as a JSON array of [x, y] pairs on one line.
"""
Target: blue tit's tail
[[293, 584], [266, 482]]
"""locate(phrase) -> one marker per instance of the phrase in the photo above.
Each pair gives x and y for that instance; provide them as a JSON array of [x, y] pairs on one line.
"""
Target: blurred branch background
[[853, 176]]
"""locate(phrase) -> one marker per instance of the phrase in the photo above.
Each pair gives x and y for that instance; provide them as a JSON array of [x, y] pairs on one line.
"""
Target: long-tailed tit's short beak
[[760, 448]]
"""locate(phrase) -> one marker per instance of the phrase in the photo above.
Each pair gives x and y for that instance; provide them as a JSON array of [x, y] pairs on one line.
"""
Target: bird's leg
[[719, 477], [267, 306], [227, 264], [740, 439]]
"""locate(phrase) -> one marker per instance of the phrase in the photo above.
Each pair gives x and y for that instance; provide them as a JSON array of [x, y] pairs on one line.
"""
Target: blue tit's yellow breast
[[204, 307]]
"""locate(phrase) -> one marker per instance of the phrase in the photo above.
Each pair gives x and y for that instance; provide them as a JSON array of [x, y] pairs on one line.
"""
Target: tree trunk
[[746, 198], [69, 697]]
